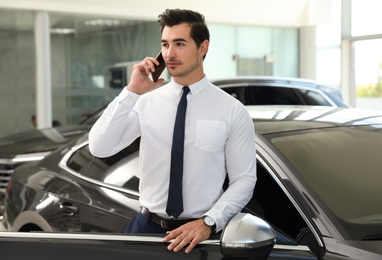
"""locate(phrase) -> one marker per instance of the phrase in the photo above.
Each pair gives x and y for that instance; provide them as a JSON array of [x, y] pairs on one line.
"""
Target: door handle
[[68, 208]]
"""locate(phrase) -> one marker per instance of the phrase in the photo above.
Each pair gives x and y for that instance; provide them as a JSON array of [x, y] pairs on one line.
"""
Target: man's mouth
[[172, 64]]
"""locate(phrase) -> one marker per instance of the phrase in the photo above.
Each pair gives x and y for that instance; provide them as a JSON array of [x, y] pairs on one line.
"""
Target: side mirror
[[247, 235]]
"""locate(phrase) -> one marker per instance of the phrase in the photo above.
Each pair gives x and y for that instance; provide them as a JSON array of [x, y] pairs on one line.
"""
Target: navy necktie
[[175, 198]]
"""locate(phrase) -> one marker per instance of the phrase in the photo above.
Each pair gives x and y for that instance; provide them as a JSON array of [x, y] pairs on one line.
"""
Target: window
[[328, 55], [269, 95], [270, 203], [364, 13], [313, 98], [368, 73], [120, 169]]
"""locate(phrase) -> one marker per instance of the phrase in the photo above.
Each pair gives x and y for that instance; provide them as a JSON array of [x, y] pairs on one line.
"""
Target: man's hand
[[140, 82], [188, 234]]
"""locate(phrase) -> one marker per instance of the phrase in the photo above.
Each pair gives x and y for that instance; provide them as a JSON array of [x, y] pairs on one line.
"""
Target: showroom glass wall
[[328, 43], [361, 43], [91, 58], [366, 37]]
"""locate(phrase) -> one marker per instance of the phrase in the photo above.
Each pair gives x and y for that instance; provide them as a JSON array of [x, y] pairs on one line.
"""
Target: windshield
[[342, 166]]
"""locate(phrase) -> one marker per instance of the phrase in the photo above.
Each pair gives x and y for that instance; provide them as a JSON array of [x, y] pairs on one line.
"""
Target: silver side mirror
[[247, 235]]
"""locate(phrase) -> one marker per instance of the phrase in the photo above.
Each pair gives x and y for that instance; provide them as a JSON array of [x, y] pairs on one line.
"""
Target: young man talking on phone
[[185, 156]]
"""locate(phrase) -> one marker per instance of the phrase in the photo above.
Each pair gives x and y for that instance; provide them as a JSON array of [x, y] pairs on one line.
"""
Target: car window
[[271, 95], [265, 95], [272, 204], [313, 98], [120, 169]]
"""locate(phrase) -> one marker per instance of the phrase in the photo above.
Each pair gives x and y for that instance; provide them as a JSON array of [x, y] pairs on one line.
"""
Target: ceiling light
[[103, 22], [62, 30]]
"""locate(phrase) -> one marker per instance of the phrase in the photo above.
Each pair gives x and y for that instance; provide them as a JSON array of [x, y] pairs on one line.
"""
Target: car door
[[107, 195], [62, 246]]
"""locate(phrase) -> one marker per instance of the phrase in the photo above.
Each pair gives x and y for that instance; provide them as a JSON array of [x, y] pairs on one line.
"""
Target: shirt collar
[[194, 88]]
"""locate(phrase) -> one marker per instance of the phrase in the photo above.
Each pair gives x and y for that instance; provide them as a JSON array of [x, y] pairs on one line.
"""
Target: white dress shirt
[[219, 139]]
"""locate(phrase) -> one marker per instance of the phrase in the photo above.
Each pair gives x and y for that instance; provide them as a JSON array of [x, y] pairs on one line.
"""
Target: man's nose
[[170, 52]]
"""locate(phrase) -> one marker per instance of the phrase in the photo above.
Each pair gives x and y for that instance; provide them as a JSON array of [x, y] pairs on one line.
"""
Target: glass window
[[332, 163], [120, 169], [368, 73], [273, 49], [364, 17], [328, 66], [17, 70], [271, 203], [329, 34], [92, 58], [313, 98], [328, 55], [269, 95]]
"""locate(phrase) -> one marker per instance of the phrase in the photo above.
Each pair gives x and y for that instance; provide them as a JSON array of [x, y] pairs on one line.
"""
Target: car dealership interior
[[271, 115], [62, 60]]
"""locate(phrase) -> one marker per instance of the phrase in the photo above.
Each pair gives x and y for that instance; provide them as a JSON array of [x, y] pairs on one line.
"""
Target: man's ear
[[204, 47]]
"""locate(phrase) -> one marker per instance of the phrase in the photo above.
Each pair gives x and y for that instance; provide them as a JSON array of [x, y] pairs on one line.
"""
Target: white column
[[308, 52], [347, 72], [348, 87], [43, 70]]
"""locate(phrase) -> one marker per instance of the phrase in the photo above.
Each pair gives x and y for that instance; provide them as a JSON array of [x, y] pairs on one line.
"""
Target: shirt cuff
[[127, 94]]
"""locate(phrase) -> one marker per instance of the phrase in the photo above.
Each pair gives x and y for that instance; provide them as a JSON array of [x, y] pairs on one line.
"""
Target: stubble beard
[[187, 70]]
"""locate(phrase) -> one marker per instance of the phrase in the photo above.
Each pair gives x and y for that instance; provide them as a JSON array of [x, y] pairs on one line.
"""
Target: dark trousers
[[141, 224]]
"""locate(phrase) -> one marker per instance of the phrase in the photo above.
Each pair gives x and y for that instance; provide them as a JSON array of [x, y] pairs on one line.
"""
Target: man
[[218, 139]]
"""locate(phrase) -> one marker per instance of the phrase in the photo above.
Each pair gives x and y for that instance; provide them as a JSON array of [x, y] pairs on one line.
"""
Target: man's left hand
[[188, 234]]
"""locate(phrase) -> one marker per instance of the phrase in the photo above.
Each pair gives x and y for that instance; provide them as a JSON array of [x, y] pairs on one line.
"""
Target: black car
[[35, 144], [319, 184], [244, 237], [255, 90]]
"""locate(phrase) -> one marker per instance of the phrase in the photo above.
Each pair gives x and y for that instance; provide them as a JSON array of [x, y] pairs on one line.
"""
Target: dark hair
[[199, 30]]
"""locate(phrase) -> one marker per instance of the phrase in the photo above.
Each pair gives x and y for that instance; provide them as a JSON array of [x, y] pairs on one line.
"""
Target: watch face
[[209, 221]]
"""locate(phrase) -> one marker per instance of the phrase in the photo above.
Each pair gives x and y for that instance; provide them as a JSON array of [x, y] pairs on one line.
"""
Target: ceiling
[[284, 13]]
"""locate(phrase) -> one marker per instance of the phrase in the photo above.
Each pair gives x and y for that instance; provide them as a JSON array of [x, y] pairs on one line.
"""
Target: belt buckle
[[162, 223]]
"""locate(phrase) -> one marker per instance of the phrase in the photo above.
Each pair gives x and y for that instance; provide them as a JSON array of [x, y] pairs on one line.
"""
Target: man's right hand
[[140, 82]]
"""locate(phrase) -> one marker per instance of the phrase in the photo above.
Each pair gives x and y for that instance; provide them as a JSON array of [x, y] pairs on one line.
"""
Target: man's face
[[183, 58]]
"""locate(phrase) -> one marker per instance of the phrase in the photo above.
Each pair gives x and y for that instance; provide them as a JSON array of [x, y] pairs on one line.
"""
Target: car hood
[[39, 140], [355, 249]]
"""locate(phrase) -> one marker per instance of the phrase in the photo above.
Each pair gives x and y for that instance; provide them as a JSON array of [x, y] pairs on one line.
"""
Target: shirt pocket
[[210, 135]]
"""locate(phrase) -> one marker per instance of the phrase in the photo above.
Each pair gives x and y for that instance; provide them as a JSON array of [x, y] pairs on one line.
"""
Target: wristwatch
[[209, 222]]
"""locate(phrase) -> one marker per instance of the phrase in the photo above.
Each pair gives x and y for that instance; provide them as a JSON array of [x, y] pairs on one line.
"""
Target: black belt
[[168, 224]]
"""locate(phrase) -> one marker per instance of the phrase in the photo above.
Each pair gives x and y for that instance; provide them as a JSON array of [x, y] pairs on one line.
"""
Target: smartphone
[[158, 69]]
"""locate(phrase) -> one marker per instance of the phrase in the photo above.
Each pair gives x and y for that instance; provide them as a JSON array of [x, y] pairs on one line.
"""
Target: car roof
[[274, 119], [332, 95], [280, 81]]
